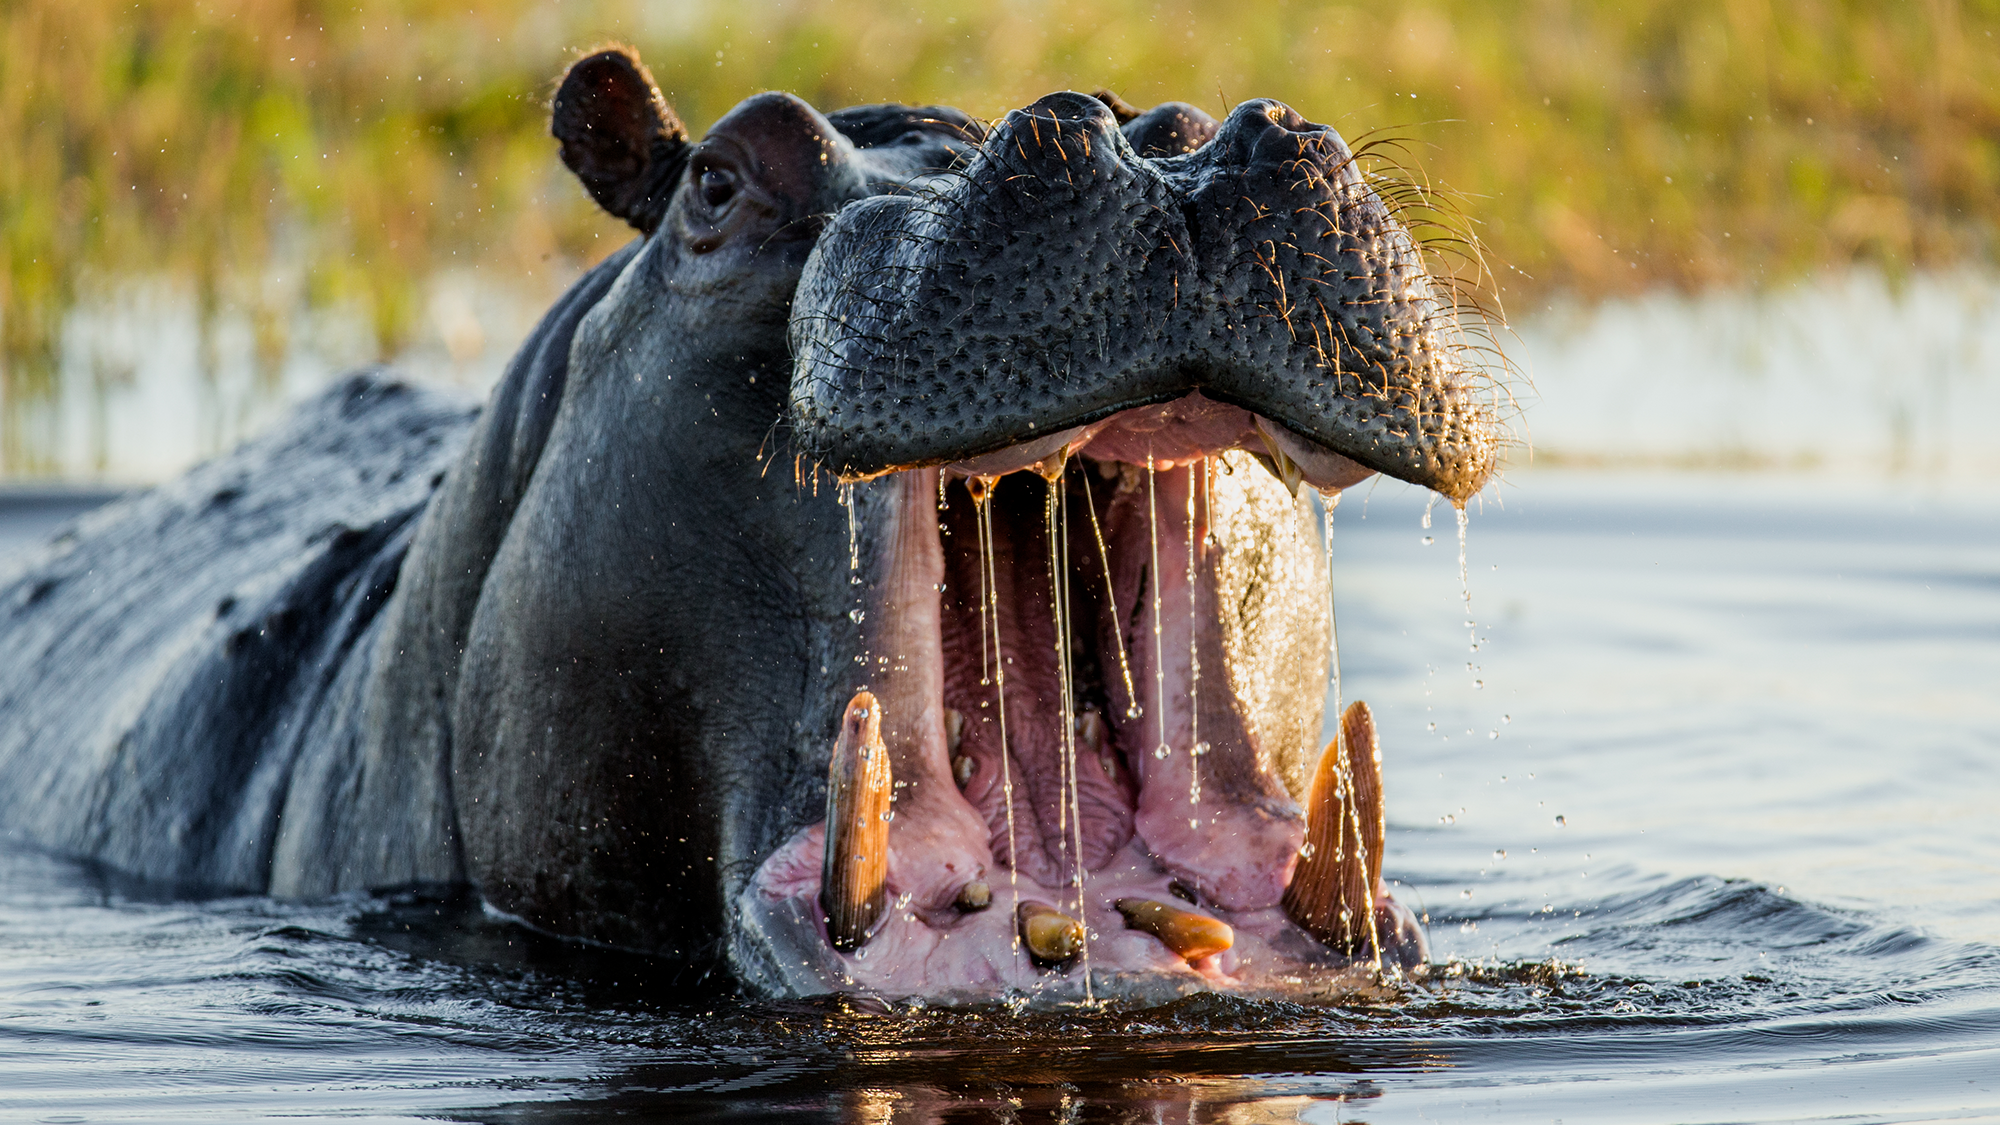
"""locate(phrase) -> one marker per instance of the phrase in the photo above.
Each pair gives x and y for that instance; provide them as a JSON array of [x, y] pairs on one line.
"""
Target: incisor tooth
[[1191, 935], [858, 788], [1341, 861], [1051, 936]]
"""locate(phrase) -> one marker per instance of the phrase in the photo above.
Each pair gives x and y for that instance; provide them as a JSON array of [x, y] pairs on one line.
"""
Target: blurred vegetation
[[273, 155]]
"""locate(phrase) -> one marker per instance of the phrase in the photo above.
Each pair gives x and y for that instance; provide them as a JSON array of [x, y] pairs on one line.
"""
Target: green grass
[[1598, 149]]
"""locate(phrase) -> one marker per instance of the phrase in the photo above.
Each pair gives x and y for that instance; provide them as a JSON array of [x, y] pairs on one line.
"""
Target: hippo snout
[[1064, 278]]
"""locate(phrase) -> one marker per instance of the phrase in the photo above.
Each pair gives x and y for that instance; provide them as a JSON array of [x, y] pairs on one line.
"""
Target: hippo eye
[[717, 187]]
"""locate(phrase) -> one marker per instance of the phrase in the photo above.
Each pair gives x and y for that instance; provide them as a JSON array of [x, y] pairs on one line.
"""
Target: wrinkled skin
[[589, 650]]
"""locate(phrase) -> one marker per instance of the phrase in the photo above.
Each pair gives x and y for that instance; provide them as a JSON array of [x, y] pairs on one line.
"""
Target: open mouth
[[1088, 740], [1075, 392]]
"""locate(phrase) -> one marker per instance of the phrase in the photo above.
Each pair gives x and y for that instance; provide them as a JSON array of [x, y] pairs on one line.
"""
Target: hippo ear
[[1120, 108], [619, 136]]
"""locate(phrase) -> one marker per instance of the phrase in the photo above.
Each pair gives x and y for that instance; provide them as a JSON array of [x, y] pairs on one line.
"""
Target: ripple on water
[[117, 1005]]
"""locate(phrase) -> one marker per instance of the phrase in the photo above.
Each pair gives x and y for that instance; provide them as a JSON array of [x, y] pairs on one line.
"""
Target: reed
[[273, 155]]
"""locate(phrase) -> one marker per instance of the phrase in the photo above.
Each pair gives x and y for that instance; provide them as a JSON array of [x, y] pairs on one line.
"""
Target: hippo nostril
[[1288, 119]]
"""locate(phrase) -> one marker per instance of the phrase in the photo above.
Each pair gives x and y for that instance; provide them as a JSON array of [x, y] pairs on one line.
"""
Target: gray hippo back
[[180, 667]]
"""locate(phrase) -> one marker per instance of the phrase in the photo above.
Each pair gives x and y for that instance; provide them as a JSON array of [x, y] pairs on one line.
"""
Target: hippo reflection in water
[[756, 537]]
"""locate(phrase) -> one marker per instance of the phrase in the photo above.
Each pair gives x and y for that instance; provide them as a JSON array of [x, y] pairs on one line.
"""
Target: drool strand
[[1195, 746], [1328, 502], [1069, 806], [1160, 751], [989, 610], [1132, 708]]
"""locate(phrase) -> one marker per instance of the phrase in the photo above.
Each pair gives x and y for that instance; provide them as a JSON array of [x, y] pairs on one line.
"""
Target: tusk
[[1192, 936], [1051, 467], [1052, 937], [1281, 464], [852, 880], [1331, 895]]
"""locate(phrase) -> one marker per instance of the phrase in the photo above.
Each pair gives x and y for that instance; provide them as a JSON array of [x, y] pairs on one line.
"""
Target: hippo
[[895, 571]]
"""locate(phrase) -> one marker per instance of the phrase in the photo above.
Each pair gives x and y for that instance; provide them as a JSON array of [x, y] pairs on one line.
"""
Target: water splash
[[846, 495], [1465, 591]]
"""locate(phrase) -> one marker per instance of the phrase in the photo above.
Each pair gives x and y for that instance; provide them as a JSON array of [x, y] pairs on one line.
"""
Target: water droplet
[[1499, 853], [1509, 719], [1306, 850], [1479, 683], [1193, 823], [1201, 748], [1561, 821], [1494, 734], [1430, 726], [1429, 539], [854, 580], [889, 815], [1466, 893], [856, 615], [1161, 751]]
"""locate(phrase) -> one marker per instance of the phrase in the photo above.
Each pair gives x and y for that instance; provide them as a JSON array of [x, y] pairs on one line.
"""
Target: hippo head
[[1071, 389], [761, 642]]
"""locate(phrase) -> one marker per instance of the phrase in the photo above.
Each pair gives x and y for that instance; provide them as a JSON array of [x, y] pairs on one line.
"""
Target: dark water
[[1767, 712]]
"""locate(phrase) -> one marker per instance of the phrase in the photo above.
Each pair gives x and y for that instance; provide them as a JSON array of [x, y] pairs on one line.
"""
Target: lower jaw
[[969, 957]]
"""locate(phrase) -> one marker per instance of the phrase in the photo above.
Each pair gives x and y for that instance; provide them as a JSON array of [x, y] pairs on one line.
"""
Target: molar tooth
[[1090, 729], [1341, 863], [1192, 936], [858, 787], [975, 896], [954, 729], [1052, 937]]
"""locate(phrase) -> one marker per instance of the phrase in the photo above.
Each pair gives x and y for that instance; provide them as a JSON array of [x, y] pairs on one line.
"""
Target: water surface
[[1712, 840]]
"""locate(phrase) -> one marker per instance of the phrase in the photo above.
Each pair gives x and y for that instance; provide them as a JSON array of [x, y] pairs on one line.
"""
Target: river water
[[1712, 839]]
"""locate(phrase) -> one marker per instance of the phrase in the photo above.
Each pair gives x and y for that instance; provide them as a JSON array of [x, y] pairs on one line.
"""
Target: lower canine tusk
[[1052, 937], [1192, 936], [858, 788], [1331, 892]]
